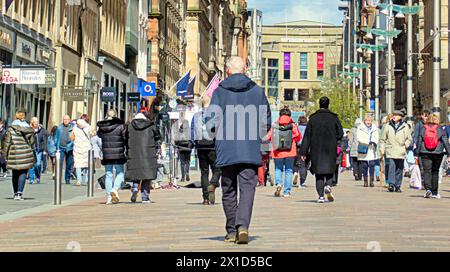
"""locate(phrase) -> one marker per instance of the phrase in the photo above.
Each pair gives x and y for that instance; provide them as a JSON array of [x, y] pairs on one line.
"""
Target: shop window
[[288, 94], [303, 95], [287, 74], [319, 75], [273, 92]]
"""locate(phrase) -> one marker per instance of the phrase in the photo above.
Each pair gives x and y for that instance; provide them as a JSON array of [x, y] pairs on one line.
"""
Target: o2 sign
[[147, 88]]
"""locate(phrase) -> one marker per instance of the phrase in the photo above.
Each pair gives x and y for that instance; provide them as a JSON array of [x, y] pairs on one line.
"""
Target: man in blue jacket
[[65, 145], [241, 117]]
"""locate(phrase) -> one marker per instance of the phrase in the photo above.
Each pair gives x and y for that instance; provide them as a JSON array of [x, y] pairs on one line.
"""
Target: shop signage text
[[73, 94], [134, 97], [11, 76], [108, 94], [6, 39], [26, 49], [32, 76], [50, 79]]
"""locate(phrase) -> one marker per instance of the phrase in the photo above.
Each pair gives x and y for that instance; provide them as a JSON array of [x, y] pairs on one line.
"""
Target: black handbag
[[101, 181]]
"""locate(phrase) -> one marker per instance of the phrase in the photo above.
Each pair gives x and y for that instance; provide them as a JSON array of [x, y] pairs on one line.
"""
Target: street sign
[[108, 94], [147, 88], [133, 97], [73, 94], [50, 79]]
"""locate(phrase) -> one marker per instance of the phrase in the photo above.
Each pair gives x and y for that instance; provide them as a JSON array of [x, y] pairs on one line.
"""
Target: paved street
[[360, 219]]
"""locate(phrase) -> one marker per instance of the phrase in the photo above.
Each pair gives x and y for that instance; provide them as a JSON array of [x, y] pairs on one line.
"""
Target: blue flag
[[190, 92], [183, 85]]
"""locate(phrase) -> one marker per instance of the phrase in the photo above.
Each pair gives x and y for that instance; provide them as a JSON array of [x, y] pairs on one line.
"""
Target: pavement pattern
[[361, 219]]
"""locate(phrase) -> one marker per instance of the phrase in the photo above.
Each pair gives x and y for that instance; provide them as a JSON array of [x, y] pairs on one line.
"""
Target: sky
[[277, 11]]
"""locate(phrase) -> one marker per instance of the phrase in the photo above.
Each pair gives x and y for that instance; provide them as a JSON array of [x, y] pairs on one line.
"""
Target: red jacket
[[296, 137]]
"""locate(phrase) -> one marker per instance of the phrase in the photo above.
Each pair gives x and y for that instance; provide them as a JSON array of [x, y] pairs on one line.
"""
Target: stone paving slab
[[361, 219]]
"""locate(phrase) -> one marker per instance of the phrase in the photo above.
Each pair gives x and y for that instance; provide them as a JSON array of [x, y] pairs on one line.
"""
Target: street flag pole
[[174, 85]]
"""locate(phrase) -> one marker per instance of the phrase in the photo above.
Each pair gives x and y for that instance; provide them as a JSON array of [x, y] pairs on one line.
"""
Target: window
[[149, 56], [303, 65], [288, 94], [272, 74], [303, 95], [287, 65], [319, 74], [263, 76]]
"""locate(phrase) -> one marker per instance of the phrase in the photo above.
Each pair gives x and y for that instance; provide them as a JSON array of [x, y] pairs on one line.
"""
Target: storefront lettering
[[26, 49], [8, 78], [5, 38]]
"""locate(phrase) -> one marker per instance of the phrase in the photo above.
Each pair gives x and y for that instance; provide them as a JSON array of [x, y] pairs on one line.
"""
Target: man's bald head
[[236, 65]]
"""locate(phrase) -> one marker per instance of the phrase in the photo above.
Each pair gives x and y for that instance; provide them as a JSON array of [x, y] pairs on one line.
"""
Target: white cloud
[[278, 11]]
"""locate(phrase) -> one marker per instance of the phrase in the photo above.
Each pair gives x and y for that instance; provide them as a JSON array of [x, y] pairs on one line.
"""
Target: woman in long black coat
[[143, 139], [322, 137]]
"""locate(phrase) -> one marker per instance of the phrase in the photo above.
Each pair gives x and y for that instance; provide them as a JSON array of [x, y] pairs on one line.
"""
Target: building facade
[[255, 45], [26, 42], [297, 56]]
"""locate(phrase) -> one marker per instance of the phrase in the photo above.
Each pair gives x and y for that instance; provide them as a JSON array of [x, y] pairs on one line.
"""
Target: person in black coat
[[143, 138], [322, 138], [112, 133], [3, 131]]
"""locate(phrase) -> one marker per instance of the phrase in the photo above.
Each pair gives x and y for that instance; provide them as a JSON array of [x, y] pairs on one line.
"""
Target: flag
[[213, 85], [8, 3], [183, 84], [190, 93]]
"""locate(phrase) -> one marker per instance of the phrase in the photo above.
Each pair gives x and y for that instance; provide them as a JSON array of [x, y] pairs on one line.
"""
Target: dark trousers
[[68, 155], [431, 164], [185, 163], [242, 177], [336, 175], [44, 163], [18, 180], [3, 167], [357, 167], [396, 171], [368, 168], [145, 189], [207, 160], [301, 166], [322, 181]]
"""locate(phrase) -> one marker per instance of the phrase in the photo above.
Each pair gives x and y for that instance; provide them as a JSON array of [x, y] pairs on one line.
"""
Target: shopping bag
[[101, 181], [415, 181], [410, 158]]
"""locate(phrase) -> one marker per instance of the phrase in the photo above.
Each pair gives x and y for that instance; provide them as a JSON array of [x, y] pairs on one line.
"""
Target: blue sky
[[276, 11]]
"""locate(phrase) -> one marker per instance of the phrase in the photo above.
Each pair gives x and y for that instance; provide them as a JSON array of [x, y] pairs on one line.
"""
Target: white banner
[[11, 76], [23, 76], [32, 76]]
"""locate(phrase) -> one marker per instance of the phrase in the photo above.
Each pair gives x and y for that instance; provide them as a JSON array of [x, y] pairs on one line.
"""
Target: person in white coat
[[368, 136], [81, 137]]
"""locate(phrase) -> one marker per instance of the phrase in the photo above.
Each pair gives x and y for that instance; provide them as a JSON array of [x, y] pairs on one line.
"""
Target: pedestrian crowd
[[316, 144]]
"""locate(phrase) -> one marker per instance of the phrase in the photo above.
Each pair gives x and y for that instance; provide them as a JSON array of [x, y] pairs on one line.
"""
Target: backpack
[[282, 137], [431, 138]]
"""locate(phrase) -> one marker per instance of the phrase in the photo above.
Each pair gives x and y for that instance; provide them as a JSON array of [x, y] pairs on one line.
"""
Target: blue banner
[[183, 85]]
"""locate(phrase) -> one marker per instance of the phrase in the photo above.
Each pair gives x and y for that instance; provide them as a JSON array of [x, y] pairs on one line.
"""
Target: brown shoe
[[371, 182], [366, 183], [205, 202]]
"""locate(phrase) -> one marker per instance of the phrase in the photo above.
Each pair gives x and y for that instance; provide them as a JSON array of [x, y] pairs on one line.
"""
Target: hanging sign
[[11, 76], [133, 97], [320, 62], [108, 94]]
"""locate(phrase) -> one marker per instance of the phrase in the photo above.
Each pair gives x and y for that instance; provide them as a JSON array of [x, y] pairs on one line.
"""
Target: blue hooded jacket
[[244, 147]]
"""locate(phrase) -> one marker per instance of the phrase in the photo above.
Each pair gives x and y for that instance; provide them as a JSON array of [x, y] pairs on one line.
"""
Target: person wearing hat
[[395, 141]]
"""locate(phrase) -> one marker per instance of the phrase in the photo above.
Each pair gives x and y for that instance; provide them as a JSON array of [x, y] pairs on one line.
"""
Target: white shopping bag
[[415, 181]]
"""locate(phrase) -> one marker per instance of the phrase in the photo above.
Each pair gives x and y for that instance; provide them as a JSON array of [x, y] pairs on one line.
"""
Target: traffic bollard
[[58, 177], [91, 169]]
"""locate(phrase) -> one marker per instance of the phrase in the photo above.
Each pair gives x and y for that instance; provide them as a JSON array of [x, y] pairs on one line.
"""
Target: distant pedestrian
[[395, 141], [284, 137], [18, 149], [301, 166], [65, 145], [181, 136], [432, 146], [353, 141], [239, 145], [51, 148], [3, 132], [112, 134], [81, 137], [322, 138], [368, 140], [205, 146], [40, 150], [96, 143], [143, 139]]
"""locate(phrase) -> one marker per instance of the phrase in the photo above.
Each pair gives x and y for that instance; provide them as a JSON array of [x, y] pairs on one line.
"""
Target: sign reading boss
[[108, 94]]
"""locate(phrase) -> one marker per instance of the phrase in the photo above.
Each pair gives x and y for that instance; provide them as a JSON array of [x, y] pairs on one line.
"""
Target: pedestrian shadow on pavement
[[220, 238], [201, 204], [310, 201], [25, 198]]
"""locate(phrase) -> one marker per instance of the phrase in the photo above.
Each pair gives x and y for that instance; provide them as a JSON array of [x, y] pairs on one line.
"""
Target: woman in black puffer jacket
[[112, 133]]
